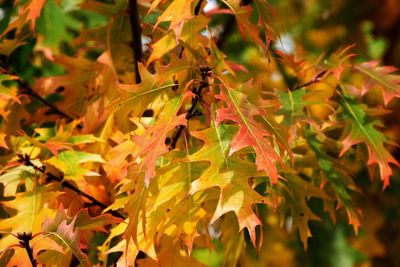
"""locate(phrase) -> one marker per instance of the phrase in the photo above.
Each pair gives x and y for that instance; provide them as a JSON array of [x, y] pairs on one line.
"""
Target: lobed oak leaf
[[65, 232], [293, 104], [247, 29], [178, 12], [32, 9], [251, 132], [380, 76], [31, 209], [361, 129], [170, 255], [152, 142], [337, 176], [239, 197], [27, 211], [83, 221], [216, 143], [296, 192], [230, 174], [188, 35], [15, 177], [69, 162]]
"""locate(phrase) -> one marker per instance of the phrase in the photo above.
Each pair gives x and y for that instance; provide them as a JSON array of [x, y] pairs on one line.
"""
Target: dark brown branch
[[136, 37], [25, 159], [316, 79], [24, 239], [24, 88], [192, 110]]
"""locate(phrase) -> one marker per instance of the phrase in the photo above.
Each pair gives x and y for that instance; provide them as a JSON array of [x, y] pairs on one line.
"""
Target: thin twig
[[136, 37], [25, 159], [24, 88], [192, 110]]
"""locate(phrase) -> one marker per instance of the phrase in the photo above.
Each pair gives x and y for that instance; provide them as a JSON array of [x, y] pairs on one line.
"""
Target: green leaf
[[66, 233], [361, 129], [69, 162], [15, 177], [54, 25]]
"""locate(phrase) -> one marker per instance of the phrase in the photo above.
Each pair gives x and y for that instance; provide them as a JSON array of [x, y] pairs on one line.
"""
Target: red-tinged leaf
[[32, 9], [266, 15], [117, 165], [247, 29], [290, 60], [337, 62], [230, 174], [178, 12], [251, 132], [239, 197], [152, 142], [83, 221], [337, 176], [361, 129], [136, 209], [65, 232], [382, 77], [55, 146]]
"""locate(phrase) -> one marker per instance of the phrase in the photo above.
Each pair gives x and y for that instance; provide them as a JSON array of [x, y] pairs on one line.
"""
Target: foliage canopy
[[129, 127]]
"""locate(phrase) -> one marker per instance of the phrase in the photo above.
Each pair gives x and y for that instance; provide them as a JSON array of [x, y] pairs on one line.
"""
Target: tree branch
[[24, 239], [192, 110], [25, 159], [24, 88], [136, 37]]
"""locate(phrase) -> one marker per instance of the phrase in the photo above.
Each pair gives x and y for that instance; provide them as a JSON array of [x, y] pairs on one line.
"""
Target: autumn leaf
[[230, 174], [216, 140], [152, 143], [361, 129], [296, 192], [178, 12], [32, 10], [27, 212], [336, 174], [251, 132], [14, 177], [68, 162], [293, 105], [247, 29], [240, 197], [65, 232], [382, 77]]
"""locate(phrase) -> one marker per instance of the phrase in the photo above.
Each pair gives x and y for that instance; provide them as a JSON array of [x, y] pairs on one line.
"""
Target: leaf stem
[[25, 159], [24, 239]]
